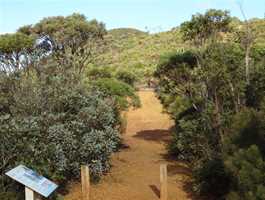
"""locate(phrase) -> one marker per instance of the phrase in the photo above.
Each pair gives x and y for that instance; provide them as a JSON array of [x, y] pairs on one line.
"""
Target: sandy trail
[[135, 171]]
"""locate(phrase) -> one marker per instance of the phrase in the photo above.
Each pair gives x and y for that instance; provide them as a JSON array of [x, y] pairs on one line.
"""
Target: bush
[[8, 196], [248, 168], [212, 177], [126, 76], [53, 123], [56, 144], [247, 128], [99, 72], [123, 93], [255, 92], [194, 138], [245, 155], [182, 145]]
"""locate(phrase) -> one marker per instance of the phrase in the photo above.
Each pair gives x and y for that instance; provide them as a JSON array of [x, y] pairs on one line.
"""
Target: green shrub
[[245, 155], [52, 123], [193, 138], [8, 196], [212, 177], [182, 145], [56, 144], [127, 77], [247, 129], [255, 92], [248, 168], [99, 72], [123, 93]]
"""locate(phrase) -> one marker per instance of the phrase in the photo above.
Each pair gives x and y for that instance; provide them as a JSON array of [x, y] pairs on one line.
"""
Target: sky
[[146, 15]]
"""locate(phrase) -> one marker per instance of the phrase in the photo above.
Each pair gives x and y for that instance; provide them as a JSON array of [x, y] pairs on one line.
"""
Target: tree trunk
[[247, 58], [234, 97], [217, 120]]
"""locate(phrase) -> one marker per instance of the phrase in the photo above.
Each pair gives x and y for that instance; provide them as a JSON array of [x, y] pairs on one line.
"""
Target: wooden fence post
[[163, 182], [85, 182]]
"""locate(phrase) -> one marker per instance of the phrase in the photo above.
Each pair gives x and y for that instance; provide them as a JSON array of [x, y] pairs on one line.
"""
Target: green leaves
[[50, 119], [57, 142], [14, 51], [204, 26], [126, 76], [123, 93], [15, 43], [73, 31], [248, 167], [212, 177], [205, 92]]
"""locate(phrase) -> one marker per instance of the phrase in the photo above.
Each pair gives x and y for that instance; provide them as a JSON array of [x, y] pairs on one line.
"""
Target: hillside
[[137, 50], [125, 33]]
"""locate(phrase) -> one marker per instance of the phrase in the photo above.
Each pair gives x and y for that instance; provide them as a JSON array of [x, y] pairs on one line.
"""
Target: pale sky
[[156, 15]]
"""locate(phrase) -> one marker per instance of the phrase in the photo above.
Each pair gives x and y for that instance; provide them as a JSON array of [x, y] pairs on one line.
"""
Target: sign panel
[[32, 180]]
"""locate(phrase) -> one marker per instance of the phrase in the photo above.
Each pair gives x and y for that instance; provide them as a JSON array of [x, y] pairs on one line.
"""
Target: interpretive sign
[[32, 180]]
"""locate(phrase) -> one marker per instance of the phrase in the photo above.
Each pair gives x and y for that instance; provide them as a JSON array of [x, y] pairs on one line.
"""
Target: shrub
[[8, 196], [52, 123], [247, 128], [99, 72], [56, 144], [193, 138], [126, 76], [182, 144], [248, 168], [255, 92], [123, 93], [212, 177], [245, 155]]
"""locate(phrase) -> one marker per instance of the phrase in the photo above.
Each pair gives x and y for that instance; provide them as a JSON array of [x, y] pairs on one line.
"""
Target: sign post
[[29, 194], [35, 185]]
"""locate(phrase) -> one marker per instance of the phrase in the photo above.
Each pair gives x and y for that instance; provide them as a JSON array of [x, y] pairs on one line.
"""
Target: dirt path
[[135, 171]]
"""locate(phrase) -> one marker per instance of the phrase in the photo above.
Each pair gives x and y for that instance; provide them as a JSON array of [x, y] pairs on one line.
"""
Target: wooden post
[[29, 194], [85, 182], [163, 182]]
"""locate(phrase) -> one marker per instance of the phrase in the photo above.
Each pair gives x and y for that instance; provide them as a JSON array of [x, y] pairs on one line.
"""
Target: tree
[[73, 31], [73, 35], [202, 93], [246, 38], [204, 26], [27, 30]]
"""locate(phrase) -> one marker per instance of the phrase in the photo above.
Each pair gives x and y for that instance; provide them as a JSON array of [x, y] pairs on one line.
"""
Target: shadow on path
[[155, 189], [156, 135], [175, 168]]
